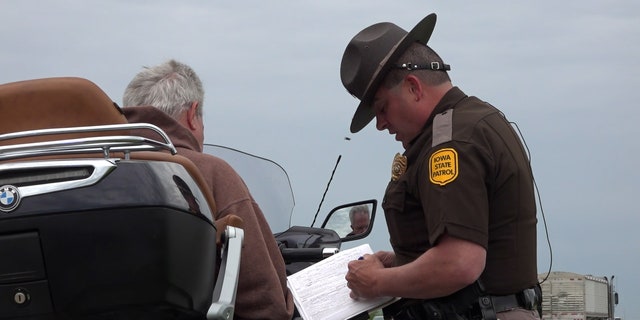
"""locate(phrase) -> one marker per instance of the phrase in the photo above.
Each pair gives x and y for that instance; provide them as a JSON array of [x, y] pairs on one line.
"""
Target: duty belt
[[501, 303], [463, 302], [530, 299], [485, 307]]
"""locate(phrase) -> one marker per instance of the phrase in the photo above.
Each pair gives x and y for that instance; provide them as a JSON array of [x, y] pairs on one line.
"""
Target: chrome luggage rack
[[96, 144]]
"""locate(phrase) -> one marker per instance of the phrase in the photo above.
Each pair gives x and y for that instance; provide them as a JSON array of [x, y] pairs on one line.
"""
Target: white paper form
[[320, 291]]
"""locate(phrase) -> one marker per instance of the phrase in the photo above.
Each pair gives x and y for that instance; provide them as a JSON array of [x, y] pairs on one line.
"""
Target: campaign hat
[[369, 56]]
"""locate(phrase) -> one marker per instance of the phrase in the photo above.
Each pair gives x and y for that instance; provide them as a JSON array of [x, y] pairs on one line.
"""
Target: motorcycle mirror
[[352, 221]]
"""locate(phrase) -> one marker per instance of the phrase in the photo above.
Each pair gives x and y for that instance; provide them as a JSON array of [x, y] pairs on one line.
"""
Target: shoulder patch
[[443, 166]]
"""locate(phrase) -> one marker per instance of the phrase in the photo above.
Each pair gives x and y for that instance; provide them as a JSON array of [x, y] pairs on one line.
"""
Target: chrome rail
[[98, 144], [99, 169]]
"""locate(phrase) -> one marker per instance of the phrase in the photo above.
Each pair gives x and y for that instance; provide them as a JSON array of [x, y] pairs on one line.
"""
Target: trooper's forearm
[[442, 270]]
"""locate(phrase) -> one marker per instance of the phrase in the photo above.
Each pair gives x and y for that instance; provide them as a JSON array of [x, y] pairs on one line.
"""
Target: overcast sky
[[564, 71]]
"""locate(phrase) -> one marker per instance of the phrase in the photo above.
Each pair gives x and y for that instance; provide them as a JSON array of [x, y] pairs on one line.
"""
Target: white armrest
[[224, 293]]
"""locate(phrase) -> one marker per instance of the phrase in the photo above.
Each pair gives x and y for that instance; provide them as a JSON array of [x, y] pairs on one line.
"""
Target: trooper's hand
[[361, 277], [388, 258]]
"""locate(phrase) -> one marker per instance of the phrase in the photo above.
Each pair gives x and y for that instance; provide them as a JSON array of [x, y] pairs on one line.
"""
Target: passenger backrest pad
[[55, 103]]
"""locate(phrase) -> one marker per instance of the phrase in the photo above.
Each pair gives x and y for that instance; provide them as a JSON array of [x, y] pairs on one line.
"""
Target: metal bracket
[[224, 293]]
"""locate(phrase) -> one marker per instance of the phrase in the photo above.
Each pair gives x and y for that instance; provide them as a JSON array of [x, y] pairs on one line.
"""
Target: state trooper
[[460, 206]]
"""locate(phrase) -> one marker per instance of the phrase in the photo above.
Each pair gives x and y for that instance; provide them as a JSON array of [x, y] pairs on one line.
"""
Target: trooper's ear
[[414, 86]]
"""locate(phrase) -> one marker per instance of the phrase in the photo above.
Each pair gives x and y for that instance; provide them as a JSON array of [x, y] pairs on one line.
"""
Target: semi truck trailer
[[573, 296]]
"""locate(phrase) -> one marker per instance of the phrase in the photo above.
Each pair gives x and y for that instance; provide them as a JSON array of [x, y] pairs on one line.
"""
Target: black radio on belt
[[531, 299], [527, 299]]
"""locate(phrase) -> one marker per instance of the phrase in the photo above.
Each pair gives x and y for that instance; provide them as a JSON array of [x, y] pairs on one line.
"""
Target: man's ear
[[414, 86], [192, 115]]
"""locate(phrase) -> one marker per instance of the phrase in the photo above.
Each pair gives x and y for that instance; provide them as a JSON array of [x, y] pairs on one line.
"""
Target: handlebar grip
[[306, 254]]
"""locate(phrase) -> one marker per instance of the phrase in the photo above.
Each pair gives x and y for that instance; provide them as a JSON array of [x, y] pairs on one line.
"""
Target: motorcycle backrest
[[55, 103]]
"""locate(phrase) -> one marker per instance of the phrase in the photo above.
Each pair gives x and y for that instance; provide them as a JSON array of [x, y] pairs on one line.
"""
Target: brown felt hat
[[368, 57]]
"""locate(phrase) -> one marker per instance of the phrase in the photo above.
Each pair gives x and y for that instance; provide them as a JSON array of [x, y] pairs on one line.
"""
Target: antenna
[[325, 190], [346, 138]]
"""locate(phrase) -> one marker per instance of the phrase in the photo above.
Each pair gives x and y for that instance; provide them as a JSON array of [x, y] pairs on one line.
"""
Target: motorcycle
[[300, 246]]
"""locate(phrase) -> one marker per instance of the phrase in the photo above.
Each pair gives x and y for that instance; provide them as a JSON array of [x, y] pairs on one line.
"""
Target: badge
[[9, 198], [443, 166], [398, 167]]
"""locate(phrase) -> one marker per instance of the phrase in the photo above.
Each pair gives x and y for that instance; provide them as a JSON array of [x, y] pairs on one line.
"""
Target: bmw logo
[[9, 198]]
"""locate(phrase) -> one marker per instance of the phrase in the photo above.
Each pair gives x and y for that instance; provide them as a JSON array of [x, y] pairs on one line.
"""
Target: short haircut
[[171, 87], [363, 208]]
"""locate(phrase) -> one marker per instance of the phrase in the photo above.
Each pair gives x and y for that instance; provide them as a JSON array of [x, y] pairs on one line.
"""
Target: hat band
[[435, 66]]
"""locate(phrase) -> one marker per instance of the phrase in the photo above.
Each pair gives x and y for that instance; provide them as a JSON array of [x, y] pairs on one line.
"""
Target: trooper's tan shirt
[[262, 290]]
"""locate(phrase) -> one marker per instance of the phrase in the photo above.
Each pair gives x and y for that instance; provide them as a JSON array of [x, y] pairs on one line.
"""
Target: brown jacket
[[262, 289]]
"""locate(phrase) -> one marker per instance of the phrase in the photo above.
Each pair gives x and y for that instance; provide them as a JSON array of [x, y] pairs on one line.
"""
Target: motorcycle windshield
[[267, 181]]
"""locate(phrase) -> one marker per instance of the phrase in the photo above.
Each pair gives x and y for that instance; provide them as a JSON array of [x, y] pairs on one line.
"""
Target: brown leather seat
[[72, 102], [55, 103]]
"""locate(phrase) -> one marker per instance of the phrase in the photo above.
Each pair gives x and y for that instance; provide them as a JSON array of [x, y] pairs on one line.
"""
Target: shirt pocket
[[394, 196], [405, 222]]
